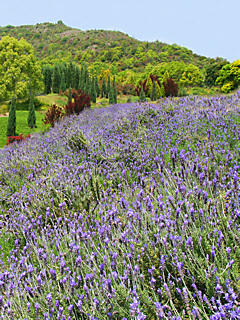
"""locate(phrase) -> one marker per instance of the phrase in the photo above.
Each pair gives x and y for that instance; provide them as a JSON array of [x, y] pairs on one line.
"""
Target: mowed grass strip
[[21, 125]]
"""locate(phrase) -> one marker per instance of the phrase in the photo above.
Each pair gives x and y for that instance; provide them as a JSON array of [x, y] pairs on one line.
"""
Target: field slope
[[128, 212]]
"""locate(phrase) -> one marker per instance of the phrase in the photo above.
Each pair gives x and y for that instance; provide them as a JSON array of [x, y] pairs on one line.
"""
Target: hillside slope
[[59, 42]]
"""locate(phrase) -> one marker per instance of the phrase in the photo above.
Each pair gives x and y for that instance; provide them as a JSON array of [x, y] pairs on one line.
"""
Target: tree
[[142, 96], [20, 73], [154, 92], [31, 113], [11, 126], [103, 89], [19, 69], [229, 77], [47, 79], [108, 87], [114, 90], [56, 79], [170, 88], [212, 72], [192, 76], [93, 93], [111, 96]]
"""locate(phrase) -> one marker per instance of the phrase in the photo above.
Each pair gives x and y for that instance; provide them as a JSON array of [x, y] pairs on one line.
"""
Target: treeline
[[60, 77]]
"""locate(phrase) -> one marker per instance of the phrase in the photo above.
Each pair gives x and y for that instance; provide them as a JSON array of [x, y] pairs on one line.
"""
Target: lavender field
[[127, 212]]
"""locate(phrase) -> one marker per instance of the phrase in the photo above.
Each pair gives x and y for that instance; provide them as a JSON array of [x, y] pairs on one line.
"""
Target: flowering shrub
[[18, 138], [128, 212]]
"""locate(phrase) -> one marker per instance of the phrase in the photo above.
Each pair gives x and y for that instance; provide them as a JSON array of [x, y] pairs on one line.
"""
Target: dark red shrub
[[53, 115], [170, 88], [80, 101], [19, 138]]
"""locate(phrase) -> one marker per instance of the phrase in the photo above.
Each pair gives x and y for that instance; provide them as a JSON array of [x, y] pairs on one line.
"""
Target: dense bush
[[80, 101], [53, 115]]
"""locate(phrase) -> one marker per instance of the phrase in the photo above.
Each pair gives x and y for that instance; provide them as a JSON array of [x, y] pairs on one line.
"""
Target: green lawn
[[53, 98], [22, 127]]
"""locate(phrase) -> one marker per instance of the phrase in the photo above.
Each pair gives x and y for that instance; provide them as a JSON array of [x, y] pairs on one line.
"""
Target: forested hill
[[58, 42]]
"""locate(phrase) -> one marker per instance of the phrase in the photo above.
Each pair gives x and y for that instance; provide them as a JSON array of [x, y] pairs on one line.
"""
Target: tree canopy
[[20, 72]]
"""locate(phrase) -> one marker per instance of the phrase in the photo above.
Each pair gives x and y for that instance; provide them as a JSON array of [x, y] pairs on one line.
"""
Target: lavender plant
[[128, 212]]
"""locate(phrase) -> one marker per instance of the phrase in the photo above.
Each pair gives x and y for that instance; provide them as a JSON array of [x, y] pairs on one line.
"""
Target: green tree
[[97, 87], [212, 72], [103, 89], [11, 126], [19, 69], [31, 113], [108, 87], [114, 90], [111, 96], [154, 92], [47, 79], [20, 73], [93, 91], [142, 96], [229, 77], [191, 76], [63, 82], [56, 79]]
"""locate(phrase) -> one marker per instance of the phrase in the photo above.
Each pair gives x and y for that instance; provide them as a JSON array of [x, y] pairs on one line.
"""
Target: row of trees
[[69, 75]]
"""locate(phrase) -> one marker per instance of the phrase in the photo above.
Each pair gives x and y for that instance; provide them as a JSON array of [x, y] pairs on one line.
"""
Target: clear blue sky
[[208, 27]]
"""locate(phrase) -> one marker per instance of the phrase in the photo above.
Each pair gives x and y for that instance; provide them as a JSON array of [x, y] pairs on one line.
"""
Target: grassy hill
[[54, 42]]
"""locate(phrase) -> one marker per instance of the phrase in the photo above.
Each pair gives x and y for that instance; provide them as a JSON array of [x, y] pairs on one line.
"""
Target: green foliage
[[142, 96], [154, 92], [212, 72], [11, 127], [56, 79], [111, 96], [229, 77], [191, 76], [19, 69], [31, 120], [21, 125], [54, 43]]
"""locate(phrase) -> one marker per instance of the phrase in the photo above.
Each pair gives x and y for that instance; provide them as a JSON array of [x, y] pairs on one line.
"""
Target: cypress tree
[[103, 89], [93, 91], [114, 90], [97, 87], [63, 82], [47, 79], [11, 127], [154, 92], [142, 96], [108, 87], [56, 79], [111, 96], [31, 113]]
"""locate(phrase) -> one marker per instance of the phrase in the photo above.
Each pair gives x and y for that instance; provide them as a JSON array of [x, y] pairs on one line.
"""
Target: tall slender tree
[[11, 126], [56, 79], [31, 112]]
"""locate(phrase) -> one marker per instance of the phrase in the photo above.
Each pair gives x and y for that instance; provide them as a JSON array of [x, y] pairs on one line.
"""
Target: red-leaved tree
[[170, 88], [53, 115], [80, 101]]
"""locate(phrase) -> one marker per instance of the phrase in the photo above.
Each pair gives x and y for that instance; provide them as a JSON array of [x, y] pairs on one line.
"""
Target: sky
[[207, 27]]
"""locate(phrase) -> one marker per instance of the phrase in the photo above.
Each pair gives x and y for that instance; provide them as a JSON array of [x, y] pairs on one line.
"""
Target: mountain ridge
[[57, 41]]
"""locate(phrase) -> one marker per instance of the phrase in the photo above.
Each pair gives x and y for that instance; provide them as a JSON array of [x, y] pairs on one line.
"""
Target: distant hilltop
[[57, 42]]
